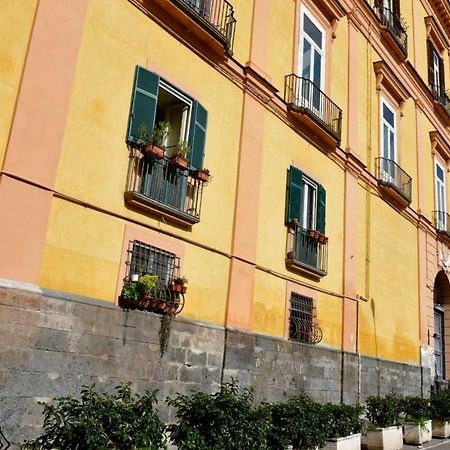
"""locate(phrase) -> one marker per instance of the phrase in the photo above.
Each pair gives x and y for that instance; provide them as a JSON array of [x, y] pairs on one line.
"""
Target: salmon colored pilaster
[[420, 159], [258, 43], [242, 275], [352, 129], [37, 134], [349, 322], [23, 227], [38, 127]]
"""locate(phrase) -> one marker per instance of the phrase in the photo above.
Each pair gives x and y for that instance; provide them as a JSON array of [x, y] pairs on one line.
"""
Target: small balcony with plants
[[160, 180], [442, 223], [212, 22], [393, 28], [313, 109], [307, 251], [442, 98], [393, 181]]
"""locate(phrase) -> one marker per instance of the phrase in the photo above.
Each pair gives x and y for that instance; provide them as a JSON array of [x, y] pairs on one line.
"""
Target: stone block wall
[[53, 344]]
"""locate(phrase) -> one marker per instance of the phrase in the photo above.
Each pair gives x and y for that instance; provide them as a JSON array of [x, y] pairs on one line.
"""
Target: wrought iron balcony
[[394, 25], [442, 222], [442, 97], [394, 180], [303, 96], [307, 251], [215, 15], [161, 188]]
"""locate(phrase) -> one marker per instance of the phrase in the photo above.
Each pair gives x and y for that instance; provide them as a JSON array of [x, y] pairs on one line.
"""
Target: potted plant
[[385, 417], [178, 284], [345, 427], [440, 413], [323, 239], [138, 294], [417, 426], [201, 175], [153, 142], [312, 233], [179, 158], [148, 285]]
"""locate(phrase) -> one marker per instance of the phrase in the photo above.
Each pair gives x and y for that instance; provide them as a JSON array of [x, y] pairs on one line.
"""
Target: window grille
[[146, 259], [302, 320]]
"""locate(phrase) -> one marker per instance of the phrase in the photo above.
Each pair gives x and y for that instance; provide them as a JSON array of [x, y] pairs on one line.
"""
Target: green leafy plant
[[157, 136], [148, 282], [164, 333], [440, 404], [300, 422], [132, 290], [225, 420], [183, 149], [417, 410], [101, 421], [345, 420], [384, 411]]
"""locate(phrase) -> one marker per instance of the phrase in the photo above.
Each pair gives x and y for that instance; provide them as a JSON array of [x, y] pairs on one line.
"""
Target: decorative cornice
[[439, 145], [385, 77], [441, 10], [436, 34]]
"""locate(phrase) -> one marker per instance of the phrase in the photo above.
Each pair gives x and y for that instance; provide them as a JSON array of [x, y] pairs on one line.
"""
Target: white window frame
[[386, 171], [322, 52], [309, 185], [441, 220], [437, 70]]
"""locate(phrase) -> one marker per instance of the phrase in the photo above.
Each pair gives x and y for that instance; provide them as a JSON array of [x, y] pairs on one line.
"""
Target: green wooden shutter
[[321, 207], [197, 135], [295, 195], [144, 101], [430, 50], [396, 8], [442, 74]]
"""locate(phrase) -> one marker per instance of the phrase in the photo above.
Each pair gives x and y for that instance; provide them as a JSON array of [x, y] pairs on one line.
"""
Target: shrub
[[345, 420], [225, 420], [416, 409], [300, 422], [440, 404], [384, 411], [101, 421]]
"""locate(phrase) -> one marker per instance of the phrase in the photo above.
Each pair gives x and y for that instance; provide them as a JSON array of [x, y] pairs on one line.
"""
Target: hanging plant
[[164, 333]]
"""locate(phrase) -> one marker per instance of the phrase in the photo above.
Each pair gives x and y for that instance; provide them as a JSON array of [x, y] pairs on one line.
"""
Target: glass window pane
[[385, 141], [388, 115], [391, 145], [317, 70], [312, 31], [306, 59], [440, 173]]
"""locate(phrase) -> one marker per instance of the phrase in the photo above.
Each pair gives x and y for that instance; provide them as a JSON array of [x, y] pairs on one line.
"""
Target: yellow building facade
[[316, 245]]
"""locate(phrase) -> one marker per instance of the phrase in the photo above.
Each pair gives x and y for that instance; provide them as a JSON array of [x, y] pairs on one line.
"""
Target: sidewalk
[[438, 444]]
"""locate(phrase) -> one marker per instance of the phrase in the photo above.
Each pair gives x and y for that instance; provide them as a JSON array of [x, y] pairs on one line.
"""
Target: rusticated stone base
[[52, 344]]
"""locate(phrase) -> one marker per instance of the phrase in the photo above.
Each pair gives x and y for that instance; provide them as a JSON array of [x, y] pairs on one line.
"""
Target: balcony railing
[[394, 24], [161, 187], [215, 15], [307, 251], [392, 176], [442, 222], [441, 96], [302, 95]]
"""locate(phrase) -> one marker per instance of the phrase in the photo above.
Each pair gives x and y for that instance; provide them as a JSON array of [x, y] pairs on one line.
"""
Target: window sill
[[390, 190], [136, 200], [304, 269]]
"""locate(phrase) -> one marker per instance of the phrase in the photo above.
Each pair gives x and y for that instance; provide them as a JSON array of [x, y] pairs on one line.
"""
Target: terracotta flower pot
[[179, 162], [154, 151], [201, 175]]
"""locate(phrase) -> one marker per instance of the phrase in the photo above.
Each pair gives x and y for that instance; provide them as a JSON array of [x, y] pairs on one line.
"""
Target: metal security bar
[[303, 95], [217, 15], [394, 24], [442, 222], [163, 185], [307, 250], [303, 325], [441, 96], [390, 174]]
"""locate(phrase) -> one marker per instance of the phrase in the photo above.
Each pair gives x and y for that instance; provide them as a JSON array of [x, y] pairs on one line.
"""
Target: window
[[159, 184], [441, 202], [435, 71], [439, 330], [312, 60], [388, 141], [302, 320], [307, 243]]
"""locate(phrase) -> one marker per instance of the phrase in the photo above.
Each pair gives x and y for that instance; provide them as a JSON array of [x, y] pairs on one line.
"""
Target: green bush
[[384, 411], [345, 420], [225, 420], [416, 409], [300, 422], [100, 422], [440, 404]]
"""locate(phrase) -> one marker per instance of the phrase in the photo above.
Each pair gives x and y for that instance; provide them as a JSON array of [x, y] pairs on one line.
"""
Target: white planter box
[[352, 442], [416, 434], [441, 428], [385, 438]]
